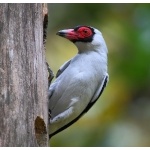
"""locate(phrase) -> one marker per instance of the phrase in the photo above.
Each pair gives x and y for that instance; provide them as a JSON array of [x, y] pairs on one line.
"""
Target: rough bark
[[23, 76]]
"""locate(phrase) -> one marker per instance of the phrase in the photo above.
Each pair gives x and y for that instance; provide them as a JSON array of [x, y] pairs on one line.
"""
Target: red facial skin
[[81, 33]]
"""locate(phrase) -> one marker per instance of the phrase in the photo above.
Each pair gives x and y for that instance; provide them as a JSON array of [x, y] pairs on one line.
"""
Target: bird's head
[[86, 38]]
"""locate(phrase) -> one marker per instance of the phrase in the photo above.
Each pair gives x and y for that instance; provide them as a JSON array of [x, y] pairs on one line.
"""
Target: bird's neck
[[87, 47]]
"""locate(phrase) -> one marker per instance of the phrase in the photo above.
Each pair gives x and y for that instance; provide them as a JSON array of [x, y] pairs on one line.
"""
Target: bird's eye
[[84, 32]]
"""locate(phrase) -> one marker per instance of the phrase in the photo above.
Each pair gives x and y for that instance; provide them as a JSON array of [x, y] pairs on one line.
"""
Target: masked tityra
[[80, 81]]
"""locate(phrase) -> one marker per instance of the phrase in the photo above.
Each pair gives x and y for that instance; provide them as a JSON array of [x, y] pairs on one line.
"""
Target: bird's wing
[[62, 68], [59, 72], [97, 94], [90, 104], [55, 83]]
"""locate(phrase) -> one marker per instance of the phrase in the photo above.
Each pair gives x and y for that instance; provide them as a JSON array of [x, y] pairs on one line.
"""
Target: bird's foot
[[50, 74]]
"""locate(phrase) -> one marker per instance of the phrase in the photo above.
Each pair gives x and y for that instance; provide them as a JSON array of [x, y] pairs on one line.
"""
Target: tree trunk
[[23, 76]]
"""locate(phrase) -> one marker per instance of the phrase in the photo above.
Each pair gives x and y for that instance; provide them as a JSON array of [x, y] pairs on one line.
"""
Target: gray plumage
[[79, 83]]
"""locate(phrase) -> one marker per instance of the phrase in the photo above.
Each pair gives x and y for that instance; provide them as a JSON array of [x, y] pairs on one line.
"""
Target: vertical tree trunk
[[23, 76]]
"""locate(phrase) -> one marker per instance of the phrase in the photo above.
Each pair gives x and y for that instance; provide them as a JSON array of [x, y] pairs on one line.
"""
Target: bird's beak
[[69, 34]]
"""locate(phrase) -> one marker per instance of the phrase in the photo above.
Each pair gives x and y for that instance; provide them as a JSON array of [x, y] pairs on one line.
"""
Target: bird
[[80, 81]]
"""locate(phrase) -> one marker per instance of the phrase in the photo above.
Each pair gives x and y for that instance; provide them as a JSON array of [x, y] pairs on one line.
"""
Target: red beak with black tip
[[69, 34]]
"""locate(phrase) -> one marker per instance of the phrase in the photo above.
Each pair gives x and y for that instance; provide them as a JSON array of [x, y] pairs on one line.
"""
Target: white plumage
[[80, 81]]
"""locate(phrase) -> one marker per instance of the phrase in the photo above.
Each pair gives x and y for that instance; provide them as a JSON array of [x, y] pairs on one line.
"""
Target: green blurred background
[[121, 117]]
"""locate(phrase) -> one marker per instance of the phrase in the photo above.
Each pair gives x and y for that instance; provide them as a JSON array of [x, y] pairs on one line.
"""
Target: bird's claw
[[51, 74]]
